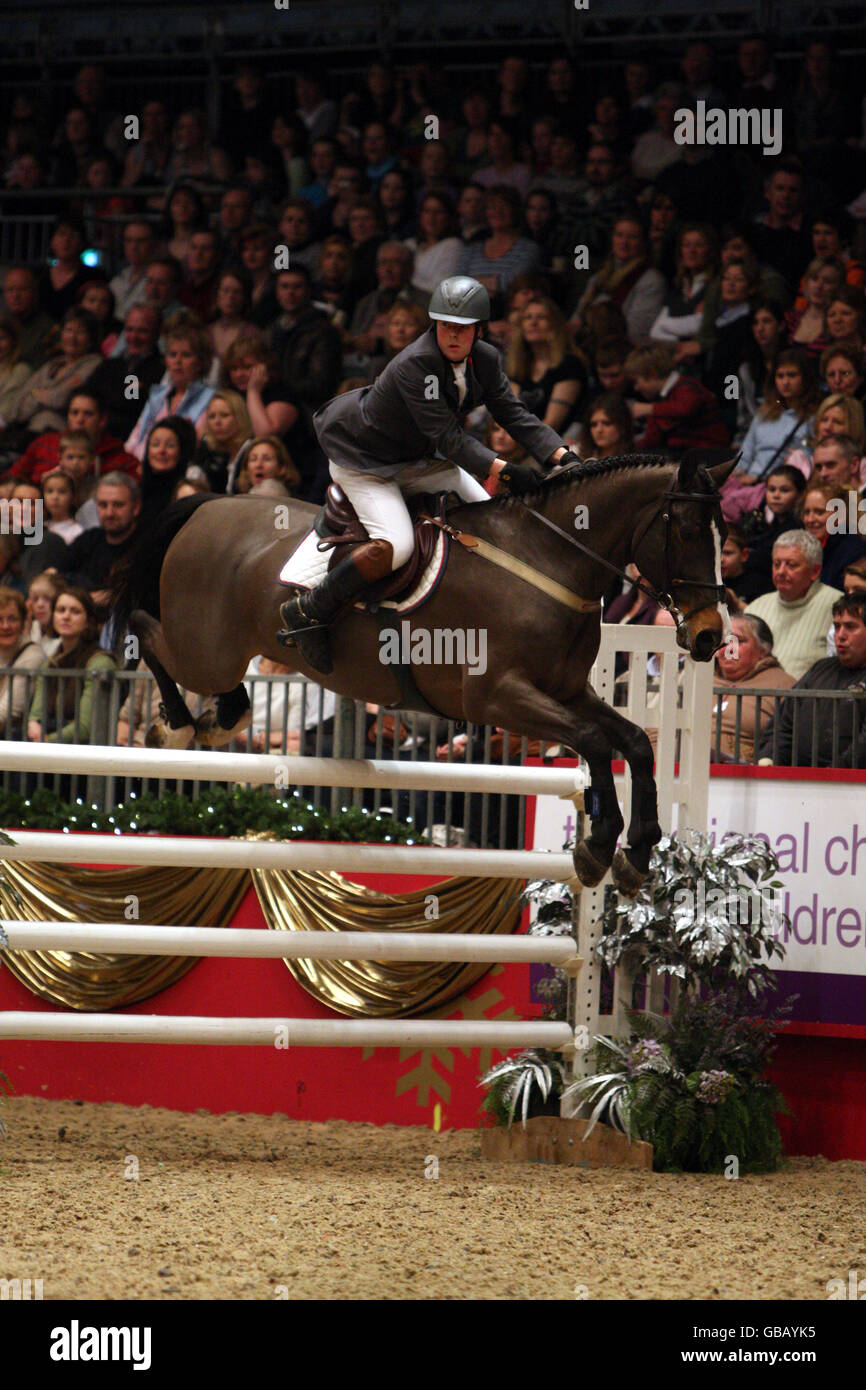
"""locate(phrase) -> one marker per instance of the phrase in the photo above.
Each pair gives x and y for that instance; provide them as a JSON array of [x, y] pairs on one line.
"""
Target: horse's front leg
[[513, 703], [630, 867]]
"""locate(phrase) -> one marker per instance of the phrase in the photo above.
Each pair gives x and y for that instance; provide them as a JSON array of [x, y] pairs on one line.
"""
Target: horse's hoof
[[211, 734], [162, 735], [589, 870], [627, 879]]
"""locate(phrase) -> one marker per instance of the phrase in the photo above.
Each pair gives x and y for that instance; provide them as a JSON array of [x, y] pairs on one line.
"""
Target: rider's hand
[[519, 478]]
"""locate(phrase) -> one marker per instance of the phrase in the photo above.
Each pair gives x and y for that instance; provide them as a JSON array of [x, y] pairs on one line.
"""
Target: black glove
[[567, 458], [520, 478]]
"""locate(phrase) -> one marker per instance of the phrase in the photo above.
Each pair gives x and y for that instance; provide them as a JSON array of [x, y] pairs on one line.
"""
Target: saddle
[[339, 530]]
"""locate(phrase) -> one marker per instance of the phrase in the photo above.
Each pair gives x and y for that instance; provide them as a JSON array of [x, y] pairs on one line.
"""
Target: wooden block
[[550, 1139]]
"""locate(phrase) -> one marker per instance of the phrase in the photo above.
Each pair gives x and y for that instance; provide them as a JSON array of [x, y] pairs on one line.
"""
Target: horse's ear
[[689, 465], [723, 471]]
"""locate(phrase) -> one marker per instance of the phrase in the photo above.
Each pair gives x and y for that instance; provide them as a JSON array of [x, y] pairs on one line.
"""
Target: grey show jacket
[[411, 412]]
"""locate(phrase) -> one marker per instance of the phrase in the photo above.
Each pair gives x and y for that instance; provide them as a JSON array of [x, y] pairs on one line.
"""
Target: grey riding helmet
[[460, 299]]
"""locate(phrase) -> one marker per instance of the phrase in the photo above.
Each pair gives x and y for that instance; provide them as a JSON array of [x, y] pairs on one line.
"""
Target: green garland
[[223, 811]]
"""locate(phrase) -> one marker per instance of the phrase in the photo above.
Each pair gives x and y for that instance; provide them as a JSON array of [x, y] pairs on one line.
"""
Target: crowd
[[646, 295]]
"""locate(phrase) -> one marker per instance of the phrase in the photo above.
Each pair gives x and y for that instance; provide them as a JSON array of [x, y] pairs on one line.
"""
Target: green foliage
[[222, 811], [525, 1082]]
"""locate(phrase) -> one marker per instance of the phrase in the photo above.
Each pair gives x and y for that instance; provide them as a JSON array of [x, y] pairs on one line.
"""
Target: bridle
[[663, 512]]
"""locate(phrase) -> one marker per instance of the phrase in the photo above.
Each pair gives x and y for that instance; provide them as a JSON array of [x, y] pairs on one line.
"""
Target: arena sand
[[252, 1207]]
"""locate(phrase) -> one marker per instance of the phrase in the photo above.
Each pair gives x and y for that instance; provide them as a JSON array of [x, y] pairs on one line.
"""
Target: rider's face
[[455, 339]]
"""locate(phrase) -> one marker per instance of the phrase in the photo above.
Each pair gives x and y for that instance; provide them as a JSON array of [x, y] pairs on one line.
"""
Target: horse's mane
[[590, 468]]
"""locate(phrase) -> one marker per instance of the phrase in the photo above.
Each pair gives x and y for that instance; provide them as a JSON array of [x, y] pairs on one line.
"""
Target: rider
[[379, 441]]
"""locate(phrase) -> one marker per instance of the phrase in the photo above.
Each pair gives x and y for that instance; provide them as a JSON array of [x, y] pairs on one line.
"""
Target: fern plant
[[525, 1082]]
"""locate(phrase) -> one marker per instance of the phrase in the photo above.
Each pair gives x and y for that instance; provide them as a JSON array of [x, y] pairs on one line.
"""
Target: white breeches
[[379, 503]]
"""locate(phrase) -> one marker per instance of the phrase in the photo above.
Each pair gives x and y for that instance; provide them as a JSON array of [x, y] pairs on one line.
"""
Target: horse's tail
[[135, 581]]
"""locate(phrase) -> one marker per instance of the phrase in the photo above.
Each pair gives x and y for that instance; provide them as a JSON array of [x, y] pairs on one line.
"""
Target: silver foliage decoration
[[519, 1075]]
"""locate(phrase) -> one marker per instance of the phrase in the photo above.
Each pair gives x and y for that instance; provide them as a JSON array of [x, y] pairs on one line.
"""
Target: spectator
[[741, 583], [513, 80], [187, 361], [60, 499], [472, 213], [227, 429], [781, 424], [627, 280], [41, 594], [43, 400], [633, 605], [396, 205], [696, 66], [162, 281], [267, 458], [656, 149], [561, 178], [19, 654], [186, 215], [74, 150], [846, 317], [839, 547], [842, 370], [681, 413], [138, 711], [96, 298], [62, 711], [232, 312], [86, 413], [784, 503], [250, 368], [803, 734], [199, 288], [236, 210], [305, 344], [344, 190], [504, 168], [256, 254], [378, 152], [548, 378], [679, 319], [587, 218], [836, 459], [393, 272], [808, 327], [297, 233], [37, 330], [745, 662], [14, 373], [92, 557], [607, 429], [541, 219], [561, 97], [610, 357], [140, 364], [799, 608], [314, 107], [855, 578], [365, 229], [288, 147], [335, 289], [194, 157], [147, 159], [779, 234], [731, 335], [403, 324], [505, 254], [323, 158], [767, 338], [169, 452], [128, 286], [60, 281], [436, 250], [41, 548]]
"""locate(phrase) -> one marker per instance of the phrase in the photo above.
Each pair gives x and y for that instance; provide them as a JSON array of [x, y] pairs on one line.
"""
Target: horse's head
[[679, 550]]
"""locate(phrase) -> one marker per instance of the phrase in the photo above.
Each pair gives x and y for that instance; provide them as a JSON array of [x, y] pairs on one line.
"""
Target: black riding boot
[[308, 612]]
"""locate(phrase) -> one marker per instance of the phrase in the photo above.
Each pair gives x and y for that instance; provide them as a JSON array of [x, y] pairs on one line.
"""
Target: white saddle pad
[[307, 565]]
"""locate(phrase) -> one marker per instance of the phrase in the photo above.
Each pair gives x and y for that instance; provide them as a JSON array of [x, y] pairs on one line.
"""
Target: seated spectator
[[187, 361], [60, 281], [609, 358], [92, 557], [504, 168], [62, 710], [334, 288], [250, 368], [38, 627], [730, 337], [548, 378], [837, 458], [23, 513], [305, 344], [781, 424], [520, 291], [366, 232], [471, 213], [697, 255], [96, 298], [505, 254], [377, 146], [148, 157], [140, 359], [854, 578], [436, 250], [805, 732], [656, 149], [198, 289], [185, 215], [799, 608], [396, 205], [741, 583], [779, 235], [169, 452], [194, 157], [662, 234], [807, 327], [607, 429], [627, 280], [256, 253], [296, 230], [232, 312], [767, 338], [236, 208], [846, 317], [836, 416], [680, 413], [323, 157], [393, 273], [61, 503], [267, 458], [469, 141], [128, 285], [822, 521], [85, 414], [37, 330], [227, 429], [556, 168], [43, 400], [541, 224], [745, 661], [162, 281], [632, 605], [403, 324], [286, 715], [14, 374], [19, 654], [344, 190], [842, 370], [782, 512]]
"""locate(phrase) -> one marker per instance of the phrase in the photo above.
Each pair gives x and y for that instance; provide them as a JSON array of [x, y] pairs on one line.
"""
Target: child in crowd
[[59, 496], [783, 512], [679, 413], [41, 594], [78, 459]]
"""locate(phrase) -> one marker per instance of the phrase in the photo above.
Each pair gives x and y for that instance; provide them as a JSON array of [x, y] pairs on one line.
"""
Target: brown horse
[[201, 592]]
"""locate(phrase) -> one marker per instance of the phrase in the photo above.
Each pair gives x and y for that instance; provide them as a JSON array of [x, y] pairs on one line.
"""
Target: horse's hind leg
[[231, 717], [175, 727]]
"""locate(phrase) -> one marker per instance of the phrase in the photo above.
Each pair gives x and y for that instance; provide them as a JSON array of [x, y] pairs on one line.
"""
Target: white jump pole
[[288, 772], [137, 939], [282, 1033], [194, 853]]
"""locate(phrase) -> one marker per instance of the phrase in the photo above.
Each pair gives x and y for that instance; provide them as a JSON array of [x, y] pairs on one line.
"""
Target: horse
[[201, 593]]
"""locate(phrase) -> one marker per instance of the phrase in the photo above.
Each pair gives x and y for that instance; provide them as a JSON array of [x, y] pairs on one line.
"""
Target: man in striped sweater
[[799, 611]]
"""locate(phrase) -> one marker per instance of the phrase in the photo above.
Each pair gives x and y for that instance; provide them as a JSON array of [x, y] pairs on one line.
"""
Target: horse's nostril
[[705, 644]]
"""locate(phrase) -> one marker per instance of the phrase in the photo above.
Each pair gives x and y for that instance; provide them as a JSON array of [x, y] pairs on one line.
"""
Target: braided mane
[[591, 468]]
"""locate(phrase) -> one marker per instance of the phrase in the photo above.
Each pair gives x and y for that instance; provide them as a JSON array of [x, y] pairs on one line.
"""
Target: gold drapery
[[290, 901], [91, 982], [302, 901]]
